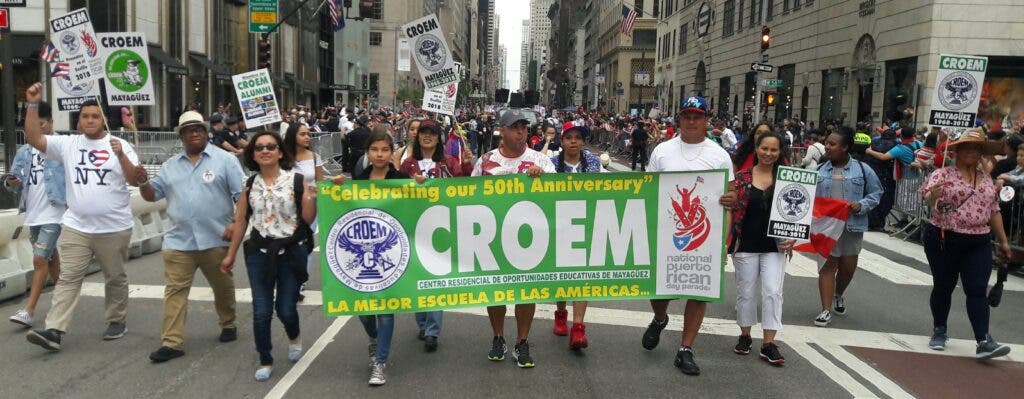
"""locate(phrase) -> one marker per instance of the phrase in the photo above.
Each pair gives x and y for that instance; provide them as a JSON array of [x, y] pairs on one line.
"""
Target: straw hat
[[977, 136], [191, 118]]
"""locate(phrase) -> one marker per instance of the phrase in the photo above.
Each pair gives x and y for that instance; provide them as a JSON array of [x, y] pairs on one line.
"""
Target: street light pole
[[757, 74]]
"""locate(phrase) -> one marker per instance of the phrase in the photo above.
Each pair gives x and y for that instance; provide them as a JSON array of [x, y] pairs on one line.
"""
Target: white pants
[[769, 268]]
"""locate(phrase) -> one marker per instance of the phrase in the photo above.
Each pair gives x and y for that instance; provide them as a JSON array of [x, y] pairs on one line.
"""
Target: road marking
[[838, 375], [302, 365], [879, 380]]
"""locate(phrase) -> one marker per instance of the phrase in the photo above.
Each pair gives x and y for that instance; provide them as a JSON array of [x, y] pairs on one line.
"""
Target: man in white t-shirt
[[41, 184], [728, 139], [98, 222], [512, 157], [690, 150]]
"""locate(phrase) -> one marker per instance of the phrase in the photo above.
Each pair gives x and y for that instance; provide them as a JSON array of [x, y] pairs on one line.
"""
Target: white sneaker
[[377, 375], [294, 352], [823, 318], [22, 317]]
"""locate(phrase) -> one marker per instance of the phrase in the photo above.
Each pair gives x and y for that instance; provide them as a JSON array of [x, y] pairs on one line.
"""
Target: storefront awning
[[218, 70], [173, 65]]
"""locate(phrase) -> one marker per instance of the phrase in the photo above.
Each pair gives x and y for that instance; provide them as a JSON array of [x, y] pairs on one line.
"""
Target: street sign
[[599, 78], [262, 15], [761, 67], [12, 3], [771, 82], [5, 23], [704, 20]]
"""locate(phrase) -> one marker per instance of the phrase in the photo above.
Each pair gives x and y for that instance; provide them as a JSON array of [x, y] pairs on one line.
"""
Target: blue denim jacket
[[855, 175], [53, 178]]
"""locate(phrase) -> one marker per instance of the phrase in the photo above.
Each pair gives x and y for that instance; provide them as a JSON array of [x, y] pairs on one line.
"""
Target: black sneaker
[[839, 304], [48, 339], [653, 334], [770, 353], [498, 349], [989, 349], [521, 353], [422, 335], [165, 353], [684, 361], [430, 343], [743, 345], [114, 331], [228, 334]]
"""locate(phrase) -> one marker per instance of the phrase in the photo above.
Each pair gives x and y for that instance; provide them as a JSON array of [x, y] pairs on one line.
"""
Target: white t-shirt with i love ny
[[97, 193]]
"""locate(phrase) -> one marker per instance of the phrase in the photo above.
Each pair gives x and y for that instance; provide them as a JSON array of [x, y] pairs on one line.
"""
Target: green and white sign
[[792, 202], [771, 83], [255, 93], [262, 15], [395, 246], [127, 71], [957, 93]]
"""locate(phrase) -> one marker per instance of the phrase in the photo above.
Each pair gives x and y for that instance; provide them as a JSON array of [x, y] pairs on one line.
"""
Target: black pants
[[969, 257], [639, 155], [876, 218]]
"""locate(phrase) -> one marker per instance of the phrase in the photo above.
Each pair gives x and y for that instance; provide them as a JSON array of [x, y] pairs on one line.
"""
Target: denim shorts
[[44, 239]]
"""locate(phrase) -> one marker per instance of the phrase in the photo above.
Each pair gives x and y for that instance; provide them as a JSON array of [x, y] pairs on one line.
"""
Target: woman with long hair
[[411, 130], [298, 144], [279, 207], [574, 159], [845, 178], [757, 257], [745, 154], [958, 239]]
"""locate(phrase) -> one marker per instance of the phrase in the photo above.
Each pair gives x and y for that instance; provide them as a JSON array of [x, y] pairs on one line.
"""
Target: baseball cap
[[694, 104], [429, 126], [567, 126], [216, 119], [510, 117]]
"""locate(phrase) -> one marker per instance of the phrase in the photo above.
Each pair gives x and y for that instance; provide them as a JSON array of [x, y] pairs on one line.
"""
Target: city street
[[878, 349]]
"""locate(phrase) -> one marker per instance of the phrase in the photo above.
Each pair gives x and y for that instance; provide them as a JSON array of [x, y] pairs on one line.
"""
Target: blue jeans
[[44, 239], [263, 304], [429, 322], [381, 327]]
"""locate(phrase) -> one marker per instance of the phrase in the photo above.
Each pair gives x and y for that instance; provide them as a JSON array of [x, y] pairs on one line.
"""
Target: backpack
[[303, 234], [864, 189]]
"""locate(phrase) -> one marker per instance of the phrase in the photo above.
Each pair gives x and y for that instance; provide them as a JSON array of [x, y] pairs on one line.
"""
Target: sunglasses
[[268, 147]]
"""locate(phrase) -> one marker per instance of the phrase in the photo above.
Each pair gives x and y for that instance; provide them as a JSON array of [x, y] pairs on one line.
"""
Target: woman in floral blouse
[[958, 238]]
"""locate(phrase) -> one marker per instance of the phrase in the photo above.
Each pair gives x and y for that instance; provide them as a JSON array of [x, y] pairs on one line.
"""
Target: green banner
[[395, 246]]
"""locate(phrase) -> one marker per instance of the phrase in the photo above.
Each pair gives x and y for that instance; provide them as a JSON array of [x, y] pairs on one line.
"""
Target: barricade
[[330, 146], [12, 272], [149, 227], [909, 206]]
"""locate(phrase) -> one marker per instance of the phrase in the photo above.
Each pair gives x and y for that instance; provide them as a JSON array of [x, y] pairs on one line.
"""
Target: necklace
[[682, 150]]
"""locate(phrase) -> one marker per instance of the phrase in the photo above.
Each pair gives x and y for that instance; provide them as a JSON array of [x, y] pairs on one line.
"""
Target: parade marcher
[[429, 161], [199, 235], [405, 152], [512, 157], [745, 154], [756, 257], [691, 150], [845, 178], [815, 152], [958, 239], [574, 159], [43, 201], [355, 143], [381, 327], [638, 145], [279, 207], [98, 222]]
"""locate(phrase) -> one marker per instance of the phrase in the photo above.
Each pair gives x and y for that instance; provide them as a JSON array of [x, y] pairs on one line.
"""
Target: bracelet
[[32, 105]]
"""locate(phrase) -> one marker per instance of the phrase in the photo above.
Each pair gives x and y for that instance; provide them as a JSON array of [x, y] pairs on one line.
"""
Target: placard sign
[[958, 82], [430, 50], [792, 202], [255, 93], [74, 37]]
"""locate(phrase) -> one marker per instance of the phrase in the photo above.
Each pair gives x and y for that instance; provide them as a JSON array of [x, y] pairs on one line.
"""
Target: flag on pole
[[49, 52], [829, 221], [60, 69], [629, 16], [337, 15]]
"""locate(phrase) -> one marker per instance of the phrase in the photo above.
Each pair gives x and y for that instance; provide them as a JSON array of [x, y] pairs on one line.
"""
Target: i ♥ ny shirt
[[97, 195]]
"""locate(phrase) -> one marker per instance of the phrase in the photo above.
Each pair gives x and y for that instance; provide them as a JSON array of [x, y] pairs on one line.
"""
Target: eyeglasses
[[268, 147]]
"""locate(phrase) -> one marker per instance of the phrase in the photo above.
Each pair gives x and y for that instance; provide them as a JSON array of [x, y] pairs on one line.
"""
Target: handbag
[[995, 295]]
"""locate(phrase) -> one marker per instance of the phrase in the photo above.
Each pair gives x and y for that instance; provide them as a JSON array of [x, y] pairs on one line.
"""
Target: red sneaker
[[578, 339], [561, 328]]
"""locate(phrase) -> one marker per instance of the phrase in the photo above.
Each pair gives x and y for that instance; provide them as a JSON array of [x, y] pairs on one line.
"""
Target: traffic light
[[766, 38], [365, 8], [263, 54], [769, 98]]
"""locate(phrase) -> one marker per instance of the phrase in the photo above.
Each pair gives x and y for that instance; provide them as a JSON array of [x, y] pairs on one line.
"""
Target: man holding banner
[[689, 151], [511, 158]]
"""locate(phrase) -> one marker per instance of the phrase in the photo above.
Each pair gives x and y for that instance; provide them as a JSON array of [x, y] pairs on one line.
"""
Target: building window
[[374, 82], [673, 42], [375, 38], [771, 9], [796, 6], [639, 5], [655, 13], [727, 18], [785, 7], [739, 17], [754, 9], [378, 9], [682, 39]]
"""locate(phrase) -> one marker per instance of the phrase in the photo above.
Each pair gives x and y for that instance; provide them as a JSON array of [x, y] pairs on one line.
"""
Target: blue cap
[[694, 104]]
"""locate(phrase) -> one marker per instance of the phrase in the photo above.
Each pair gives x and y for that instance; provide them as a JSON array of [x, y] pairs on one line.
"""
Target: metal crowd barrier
[[1013, 220], [909, 205], [330, 146]]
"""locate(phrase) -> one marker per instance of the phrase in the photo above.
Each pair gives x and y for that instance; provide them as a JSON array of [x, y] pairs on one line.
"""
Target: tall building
[[386, 83], [619, 57], [847, 61], [524, 55], [540, 33]]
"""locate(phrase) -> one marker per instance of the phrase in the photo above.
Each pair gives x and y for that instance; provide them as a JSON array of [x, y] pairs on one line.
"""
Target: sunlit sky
[[512, 14]]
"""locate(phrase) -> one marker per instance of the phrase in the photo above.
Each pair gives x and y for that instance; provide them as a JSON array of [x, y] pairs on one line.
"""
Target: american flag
[[337, 17], [61, 69], [629, 16], [49, 52]]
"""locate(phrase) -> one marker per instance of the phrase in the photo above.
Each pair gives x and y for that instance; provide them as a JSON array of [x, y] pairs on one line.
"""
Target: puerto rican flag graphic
[[98, 157], [830, 216]]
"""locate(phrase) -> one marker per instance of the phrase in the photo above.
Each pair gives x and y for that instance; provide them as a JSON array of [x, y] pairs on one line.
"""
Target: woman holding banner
[[958, 238], [845, 178], [755, 256], [428, 160], [574, 159]]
